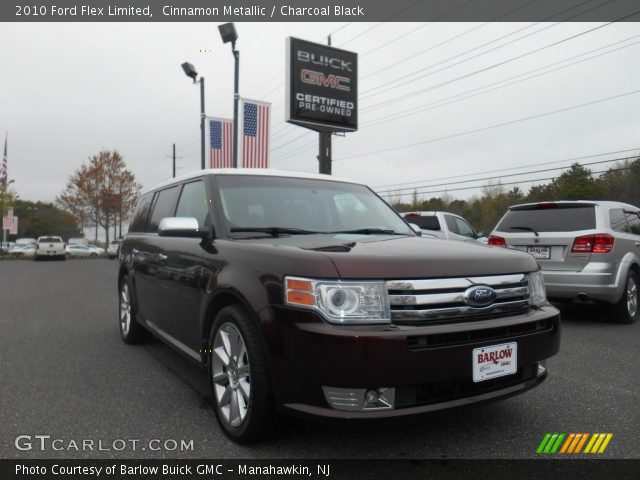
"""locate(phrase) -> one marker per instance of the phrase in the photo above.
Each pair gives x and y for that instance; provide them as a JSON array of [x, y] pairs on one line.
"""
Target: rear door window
[[550, 219]]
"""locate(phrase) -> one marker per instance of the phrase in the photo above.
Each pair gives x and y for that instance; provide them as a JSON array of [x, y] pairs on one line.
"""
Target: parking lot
[[64, 372]]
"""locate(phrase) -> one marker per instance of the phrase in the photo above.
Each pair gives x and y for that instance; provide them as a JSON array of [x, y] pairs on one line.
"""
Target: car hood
[[392, 256]]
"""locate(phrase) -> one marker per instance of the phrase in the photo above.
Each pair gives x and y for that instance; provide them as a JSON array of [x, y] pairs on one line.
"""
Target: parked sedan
[[84, 251], [23, 250]]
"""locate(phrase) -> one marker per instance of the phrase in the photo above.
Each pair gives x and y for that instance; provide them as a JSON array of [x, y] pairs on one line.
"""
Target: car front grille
[[433, 301]]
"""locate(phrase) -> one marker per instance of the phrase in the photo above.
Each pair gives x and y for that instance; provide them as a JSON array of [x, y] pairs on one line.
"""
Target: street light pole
[[229, 35], [236, 99], [190, 71], [202, 129]]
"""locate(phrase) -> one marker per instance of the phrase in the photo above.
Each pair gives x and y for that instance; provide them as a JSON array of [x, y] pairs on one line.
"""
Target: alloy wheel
[[632, 297], [231, 374], [125, 309]]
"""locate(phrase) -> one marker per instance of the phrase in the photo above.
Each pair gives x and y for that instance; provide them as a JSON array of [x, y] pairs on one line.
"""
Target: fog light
[[542, 368], [360, 399], [370, 398]]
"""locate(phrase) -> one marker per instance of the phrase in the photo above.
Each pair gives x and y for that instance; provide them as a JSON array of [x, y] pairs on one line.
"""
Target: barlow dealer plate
[[540, 253], [494, 361]]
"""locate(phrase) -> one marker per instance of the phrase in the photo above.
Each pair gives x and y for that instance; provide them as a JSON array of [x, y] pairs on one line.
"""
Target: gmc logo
[[332, 81], [323, 60]]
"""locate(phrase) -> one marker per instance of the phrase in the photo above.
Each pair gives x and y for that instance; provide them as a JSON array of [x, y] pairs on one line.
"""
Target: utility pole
[[324, 156], [174, 160], [202, 128]]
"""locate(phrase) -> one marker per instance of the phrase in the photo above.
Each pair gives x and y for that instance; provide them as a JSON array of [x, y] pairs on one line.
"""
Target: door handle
[[162, 257]]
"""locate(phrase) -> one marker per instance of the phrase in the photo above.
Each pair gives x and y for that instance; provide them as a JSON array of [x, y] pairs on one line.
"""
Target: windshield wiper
[[274, 231], [526, 229], [370, 231]]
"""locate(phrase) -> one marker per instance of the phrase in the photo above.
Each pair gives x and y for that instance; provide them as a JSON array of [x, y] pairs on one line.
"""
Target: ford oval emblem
[[479, 296]]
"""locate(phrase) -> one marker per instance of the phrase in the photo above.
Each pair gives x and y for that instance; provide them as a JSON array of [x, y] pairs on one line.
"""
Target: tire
[[239, 377], [93, 255], [130, 330], [628, 308]]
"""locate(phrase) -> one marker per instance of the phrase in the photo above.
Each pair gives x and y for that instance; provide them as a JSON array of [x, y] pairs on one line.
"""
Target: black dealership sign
[[322, 86]]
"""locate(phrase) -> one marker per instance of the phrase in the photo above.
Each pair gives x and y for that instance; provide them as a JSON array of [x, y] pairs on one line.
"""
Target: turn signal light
[[300, 292], [497, 241], [597, 243]]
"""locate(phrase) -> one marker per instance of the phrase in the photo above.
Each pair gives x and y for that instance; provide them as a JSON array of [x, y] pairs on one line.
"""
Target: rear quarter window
[[559, 219], [139, 218], [424, 222]]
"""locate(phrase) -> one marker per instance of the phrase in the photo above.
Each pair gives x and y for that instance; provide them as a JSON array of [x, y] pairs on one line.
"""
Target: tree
[[40, 218], [103, 190]]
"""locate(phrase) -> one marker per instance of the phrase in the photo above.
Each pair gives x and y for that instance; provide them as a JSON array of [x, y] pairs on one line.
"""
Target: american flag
[[4, 171], [221, 142], [255, 134]]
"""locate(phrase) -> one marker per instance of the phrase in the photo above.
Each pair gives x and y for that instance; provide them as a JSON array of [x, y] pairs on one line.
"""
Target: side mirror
[[181, 227], [479, 234], [416, 229]]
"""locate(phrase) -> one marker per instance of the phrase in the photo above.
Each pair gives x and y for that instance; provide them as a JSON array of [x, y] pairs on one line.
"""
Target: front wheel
[[627, 307], [130, 330], [239, 377]]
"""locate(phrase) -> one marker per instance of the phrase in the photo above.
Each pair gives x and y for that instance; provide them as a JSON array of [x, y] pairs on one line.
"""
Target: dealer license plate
[[540, 253], [494, 361]]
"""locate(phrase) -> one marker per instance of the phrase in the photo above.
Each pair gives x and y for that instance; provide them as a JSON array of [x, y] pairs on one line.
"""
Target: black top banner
[[320, 11]]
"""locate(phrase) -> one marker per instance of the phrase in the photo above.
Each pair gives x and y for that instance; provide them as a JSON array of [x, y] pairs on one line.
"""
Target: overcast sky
[[70, 90]]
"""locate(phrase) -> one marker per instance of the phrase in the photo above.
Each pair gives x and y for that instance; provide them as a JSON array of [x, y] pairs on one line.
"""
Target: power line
[[477, 130], [469, 93], [467, 75], [507, 176], [503, 184], [570, 159]]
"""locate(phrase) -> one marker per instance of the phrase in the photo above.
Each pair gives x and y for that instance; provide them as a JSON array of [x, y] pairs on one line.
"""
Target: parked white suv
[[589, 251], [50, 247]]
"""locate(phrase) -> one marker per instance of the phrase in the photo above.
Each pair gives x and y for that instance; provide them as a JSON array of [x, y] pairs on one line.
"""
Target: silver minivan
[[589, 251]]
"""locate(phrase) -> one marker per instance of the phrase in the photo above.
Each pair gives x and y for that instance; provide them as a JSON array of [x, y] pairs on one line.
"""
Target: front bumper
[[429, 366]]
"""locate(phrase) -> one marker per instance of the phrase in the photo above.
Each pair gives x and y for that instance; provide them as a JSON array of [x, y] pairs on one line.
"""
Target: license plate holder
[[494, 361], [539, 253]]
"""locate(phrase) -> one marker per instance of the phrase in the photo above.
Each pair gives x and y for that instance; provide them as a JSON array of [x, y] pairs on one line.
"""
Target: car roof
[[267, 172], [577, 203]]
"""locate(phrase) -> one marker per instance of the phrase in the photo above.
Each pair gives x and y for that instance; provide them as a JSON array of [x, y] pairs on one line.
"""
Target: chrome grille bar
[[442, 299]]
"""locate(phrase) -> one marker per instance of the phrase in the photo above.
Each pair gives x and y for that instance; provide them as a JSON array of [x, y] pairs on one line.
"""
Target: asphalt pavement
[[70, 388]]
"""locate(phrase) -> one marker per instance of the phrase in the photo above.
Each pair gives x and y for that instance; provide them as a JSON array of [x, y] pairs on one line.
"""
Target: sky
[[69, 90]]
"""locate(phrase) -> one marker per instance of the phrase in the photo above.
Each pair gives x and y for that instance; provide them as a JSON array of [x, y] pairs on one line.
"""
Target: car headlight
[[339, 301], [537, 292]]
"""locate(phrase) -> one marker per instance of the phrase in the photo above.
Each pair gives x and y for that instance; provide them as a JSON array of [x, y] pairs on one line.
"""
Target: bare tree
[[102, 189]]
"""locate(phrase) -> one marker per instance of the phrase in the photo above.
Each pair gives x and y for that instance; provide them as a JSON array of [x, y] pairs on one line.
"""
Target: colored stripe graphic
[[572, 443]]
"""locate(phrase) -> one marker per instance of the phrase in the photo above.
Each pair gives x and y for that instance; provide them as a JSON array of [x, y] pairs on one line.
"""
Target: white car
[[23, 250], [84, 251], [50, 246], [113, 249]]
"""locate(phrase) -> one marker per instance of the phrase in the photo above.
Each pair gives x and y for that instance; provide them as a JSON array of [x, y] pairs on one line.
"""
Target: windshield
[[274, 204]]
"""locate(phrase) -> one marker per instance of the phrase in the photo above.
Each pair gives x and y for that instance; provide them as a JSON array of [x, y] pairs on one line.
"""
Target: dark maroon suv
[[309, 295]]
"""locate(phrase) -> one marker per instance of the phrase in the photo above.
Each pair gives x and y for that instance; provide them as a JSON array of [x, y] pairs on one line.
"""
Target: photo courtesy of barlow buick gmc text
[[326, 240]]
